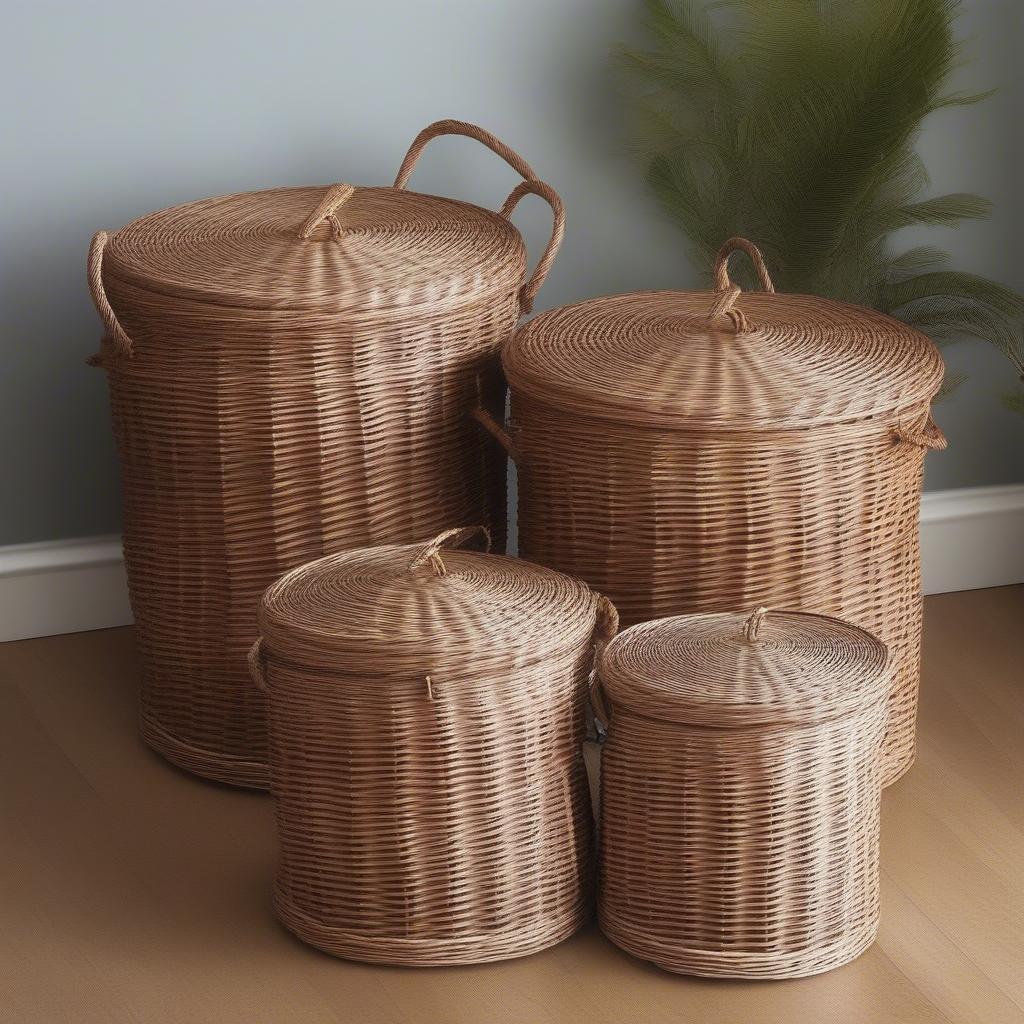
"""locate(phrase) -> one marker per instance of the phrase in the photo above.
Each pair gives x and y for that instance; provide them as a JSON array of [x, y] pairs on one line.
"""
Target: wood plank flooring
[[130, 891]]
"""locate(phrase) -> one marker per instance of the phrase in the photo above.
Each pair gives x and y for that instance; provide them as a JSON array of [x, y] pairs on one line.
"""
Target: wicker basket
[[692, 452], [291, 374], [740, 792], [426, 718]]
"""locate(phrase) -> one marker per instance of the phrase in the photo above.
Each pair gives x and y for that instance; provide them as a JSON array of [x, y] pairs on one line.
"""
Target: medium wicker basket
[[692, 452], [426, 714], [740, 792], [291, 374]]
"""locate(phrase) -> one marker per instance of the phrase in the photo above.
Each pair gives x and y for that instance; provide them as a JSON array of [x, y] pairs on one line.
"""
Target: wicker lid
[[722, 360], [400, 605], [326, 247], [732, 669]]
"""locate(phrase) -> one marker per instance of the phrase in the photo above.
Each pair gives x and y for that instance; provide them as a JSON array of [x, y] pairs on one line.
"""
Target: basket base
[[749, 965], [426, 952], [208, 763]]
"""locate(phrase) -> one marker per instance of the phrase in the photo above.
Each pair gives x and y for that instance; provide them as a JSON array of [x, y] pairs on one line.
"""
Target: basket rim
[[569, 359], [734, 670], [160, 252]]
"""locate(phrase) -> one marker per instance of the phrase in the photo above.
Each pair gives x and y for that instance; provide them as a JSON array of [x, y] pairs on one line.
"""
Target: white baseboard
[[970, 538], [62, 586]]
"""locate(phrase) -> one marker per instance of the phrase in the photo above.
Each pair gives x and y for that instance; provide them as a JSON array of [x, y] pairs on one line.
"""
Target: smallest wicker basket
[[426, 711], [740, 792]]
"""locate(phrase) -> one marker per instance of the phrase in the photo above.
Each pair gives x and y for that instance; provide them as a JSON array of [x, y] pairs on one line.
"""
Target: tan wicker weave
[[426, 717], [290, 374], [692, 452], [740, 792]]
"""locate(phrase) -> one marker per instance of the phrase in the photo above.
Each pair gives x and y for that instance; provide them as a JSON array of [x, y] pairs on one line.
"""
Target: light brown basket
[[426, 719], [291, 374], [693, 452], [740, 792]]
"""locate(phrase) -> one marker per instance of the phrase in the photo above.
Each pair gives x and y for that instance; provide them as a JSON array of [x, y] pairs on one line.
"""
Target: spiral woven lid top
[[401, 603], [722, 360], [755, 668], [323, 247]]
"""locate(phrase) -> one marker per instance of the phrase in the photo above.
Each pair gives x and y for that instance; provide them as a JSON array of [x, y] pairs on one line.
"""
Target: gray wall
[[117, 108]]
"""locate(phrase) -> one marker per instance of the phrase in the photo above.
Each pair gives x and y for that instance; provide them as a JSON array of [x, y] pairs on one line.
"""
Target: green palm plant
[[793, 123]]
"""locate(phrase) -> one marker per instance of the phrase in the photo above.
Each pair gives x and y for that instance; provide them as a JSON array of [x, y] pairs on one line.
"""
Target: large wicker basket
[[426, 714], [740, 792], [291, 374], [692, 452]]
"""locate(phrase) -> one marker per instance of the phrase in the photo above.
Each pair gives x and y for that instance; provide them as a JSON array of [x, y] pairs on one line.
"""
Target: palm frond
[[939, 211], [1015, 401], [953, 284], [794, 123]]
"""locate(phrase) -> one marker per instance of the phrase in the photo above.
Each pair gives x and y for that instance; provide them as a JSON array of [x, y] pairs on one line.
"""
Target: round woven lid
[[325, 247], [731, 669], [722, 360], [403, 604]]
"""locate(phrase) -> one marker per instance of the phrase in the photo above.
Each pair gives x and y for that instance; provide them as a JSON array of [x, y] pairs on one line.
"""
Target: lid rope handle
[[431, 552], [258, 666], [334, 198], [929, 435], [605, 628], [116, 338], [472, 131], [726, 293], [538, 188], [752, 627]]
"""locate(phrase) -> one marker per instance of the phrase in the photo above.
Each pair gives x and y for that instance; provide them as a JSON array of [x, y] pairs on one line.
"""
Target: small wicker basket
[[691, 452], [740, 792], [291, 374], [426, 713]]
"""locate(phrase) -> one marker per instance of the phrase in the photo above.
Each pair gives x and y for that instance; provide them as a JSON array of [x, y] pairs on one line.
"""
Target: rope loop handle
[[726, 293], [721, 272], [431, 552], [472, 131], [723, 307], [258, 666], [929, 436], [334, 198], [116, 338], [752, 627], [605, 628], [538, 188]]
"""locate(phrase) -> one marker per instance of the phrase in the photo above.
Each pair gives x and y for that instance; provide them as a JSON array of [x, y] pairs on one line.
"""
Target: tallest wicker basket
[[291, 374], [702, 452]]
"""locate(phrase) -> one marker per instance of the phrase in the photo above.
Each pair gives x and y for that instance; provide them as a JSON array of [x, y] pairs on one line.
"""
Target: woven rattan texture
[[699, 504], [747, 850], [426, 754], [290, 375]]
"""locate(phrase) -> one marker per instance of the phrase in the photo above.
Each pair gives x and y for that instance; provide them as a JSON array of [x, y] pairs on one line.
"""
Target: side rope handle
[[116, 340], [929, 436], [726, 293], [431, 551], [529, 291], [258, 666], [472, 131], [334, 198], [605, 628], [497, 431]]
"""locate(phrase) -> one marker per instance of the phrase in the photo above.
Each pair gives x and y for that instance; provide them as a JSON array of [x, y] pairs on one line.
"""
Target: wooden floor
[[132, 892]]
